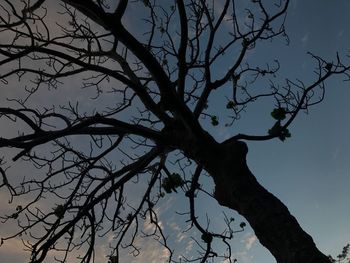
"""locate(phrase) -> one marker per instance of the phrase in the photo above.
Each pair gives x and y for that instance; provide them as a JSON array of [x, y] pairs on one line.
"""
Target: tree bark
[[238, 189]]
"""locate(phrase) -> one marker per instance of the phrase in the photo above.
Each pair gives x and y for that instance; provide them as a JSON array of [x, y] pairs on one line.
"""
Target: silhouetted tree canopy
[[146, 84]]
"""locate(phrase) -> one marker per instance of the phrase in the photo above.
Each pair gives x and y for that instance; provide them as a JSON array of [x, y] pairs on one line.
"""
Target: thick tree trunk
[[238, 189]]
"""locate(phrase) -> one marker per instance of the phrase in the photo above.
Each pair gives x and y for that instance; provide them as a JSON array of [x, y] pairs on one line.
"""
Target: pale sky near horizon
[[310, 172]]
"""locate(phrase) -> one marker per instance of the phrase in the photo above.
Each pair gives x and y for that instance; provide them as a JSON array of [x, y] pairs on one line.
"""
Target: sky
[[309, 172]]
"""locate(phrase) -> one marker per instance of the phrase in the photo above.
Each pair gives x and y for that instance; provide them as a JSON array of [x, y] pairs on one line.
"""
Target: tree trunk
[[238, 189]]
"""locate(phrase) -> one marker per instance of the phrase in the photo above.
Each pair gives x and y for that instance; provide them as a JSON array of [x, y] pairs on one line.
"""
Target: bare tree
[[151, 68]]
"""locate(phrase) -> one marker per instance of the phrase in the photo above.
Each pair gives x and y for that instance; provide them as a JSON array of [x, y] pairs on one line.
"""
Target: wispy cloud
[[305, 38], [340, 33], [244, 255], [336, 153], [250, 241], [152, 251], [14, 247]]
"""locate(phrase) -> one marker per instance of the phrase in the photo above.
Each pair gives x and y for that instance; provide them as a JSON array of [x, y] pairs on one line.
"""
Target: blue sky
[[309, 172]]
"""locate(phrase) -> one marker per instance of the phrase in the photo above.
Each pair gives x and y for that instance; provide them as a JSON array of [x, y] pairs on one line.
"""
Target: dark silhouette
[[159, 62]]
